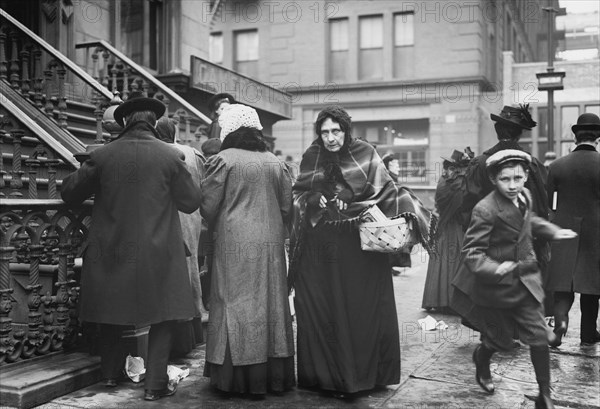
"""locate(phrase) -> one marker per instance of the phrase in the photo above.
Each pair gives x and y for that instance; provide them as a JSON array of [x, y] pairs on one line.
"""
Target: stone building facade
[[419, 78]]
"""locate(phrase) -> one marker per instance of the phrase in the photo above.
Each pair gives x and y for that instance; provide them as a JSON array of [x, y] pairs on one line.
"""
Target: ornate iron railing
[[40, 240], [50, 81], [121, 74]]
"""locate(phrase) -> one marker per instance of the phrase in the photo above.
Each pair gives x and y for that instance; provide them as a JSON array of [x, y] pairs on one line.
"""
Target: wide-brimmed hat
[[506, 155], [587, 122], [138, 102], [519, 117], [236, 116], [214, 101], [459, 157]]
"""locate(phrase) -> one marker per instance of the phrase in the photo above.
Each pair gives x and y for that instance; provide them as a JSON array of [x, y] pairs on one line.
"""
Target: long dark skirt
[[443, 264], [348, 338], [275, 375]]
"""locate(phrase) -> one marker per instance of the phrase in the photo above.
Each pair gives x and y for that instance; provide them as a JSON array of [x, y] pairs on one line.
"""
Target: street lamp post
[[550, 80]]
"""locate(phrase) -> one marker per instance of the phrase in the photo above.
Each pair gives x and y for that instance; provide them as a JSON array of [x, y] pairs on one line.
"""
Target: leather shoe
[[152, 394], [544, 402], [592, 341], [110, 382], [482, 372], [560, 330]]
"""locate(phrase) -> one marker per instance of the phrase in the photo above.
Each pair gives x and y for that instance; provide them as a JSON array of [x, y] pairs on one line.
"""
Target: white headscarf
[[235, 116]]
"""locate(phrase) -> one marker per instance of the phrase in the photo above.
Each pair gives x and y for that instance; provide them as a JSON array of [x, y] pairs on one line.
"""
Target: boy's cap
[[506, 155]]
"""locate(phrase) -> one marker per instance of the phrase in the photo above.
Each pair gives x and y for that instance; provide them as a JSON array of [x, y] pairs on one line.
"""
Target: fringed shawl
[[356, 168]]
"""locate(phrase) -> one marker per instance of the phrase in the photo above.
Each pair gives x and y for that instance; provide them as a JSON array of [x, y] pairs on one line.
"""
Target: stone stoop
[[29, 383]]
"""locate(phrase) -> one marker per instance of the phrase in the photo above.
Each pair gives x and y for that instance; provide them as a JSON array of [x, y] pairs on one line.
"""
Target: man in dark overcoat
[[574, 194], [134, 265]]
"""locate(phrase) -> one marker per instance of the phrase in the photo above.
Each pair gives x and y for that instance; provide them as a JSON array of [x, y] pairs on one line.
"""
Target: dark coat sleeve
[[543, 228], [81, 184], [186, 193]]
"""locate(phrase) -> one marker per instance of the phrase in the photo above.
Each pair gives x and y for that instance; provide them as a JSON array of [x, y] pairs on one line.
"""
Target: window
[[338, 49], [568, 118], [593, 109], [370, 48], [142, 32], [246, 52], [215, 48], [404, 40]]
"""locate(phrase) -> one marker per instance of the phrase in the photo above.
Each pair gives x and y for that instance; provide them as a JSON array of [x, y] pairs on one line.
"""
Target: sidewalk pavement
[[437, 371]]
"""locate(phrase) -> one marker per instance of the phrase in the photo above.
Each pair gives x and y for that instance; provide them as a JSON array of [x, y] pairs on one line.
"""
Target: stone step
[[33, 382]]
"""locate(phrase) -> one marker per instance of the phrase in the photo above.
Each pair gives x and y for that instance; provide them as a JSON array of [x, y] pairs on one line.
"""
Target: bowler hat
[[519, 117], [138, 102], [587, 122], [213, 102]]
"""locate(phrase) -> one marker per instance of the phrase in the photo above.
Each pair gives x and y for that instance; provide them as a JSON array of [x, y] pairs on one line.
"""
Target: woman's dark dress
[[348, 338]]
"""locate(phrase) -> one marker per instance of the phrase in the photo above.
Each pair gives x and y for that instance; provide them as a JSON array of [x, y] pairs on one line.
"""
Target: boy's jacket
[[497, 233]]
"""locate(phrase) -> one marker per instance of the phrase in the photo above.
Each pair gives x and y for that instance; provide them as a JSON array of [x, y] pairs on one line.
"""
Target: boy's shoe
[[483, 375], [544, 402], [152, 394]]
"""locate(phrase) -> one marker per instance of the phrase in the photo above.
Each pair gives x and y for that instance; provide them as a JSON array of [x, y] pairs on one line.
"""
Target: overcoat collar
[[584, 147], [136, 129]]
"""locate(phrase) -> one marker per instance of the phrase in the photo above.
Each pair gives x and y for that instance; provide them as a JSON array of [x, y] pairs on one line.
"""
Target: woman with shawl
[[348, 338], [247, 202], [445, 257]]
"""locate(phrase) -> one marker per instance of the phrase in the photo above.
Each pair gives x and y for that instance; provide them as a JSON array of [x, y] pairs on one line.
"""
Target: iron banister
[[44, 136], [59, 56], [173, 96]]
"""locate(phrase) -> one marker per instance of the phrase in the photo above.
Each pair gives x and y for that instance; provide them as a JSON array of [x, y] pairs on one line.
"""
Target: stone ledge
[[30, 383]]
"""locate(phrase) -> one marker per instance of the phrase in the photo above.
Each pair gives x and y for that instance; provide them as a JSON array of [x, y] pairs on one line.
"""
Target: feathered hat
[[512, 116]]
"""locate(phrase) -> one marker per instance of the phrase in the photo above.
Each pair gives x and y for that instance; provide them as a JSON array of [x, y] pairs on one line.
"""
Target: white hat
[[235, 116], [506, 155]]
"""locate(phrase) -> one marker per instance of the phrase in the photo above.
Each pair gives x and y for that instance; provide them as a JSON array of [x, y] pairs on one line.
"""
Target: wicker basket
[[389, 236]]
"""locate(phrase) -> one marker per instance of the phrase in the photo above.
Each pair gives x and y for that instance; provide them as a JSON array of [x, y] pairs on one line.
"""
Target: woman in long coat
[[246, 201], [348, 338], [445, 258]]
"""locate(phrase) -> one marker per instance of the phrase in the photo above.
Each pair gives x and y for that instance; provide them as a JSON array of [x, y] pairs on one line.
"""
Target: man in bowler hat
[[134, 266], [574, 195]]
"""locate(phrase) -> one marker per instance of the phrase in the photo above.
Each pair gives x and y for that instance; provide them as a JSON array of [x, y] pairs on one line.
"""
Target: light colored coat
[[246, 201]]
